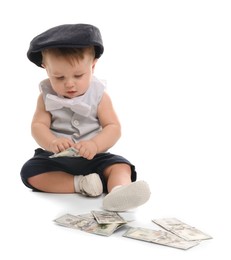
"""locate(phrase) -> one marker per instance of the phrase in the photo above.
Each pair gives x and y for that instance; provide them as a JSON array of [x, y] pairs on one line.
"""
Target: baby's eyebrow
[[57, 75]]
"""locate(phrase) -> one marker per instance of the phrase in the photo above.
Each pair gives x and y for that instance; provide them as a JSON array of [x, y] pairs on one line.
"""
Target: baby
[[74, 111]]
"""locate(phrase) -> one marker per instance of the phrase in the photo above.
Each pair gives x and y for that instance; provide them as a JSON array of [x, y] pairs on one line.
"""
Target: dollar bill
[[66, 220], [159, 237], [87, 223], [69, 152], [181, 229], [86, 216], [107, 217], [93, 227]]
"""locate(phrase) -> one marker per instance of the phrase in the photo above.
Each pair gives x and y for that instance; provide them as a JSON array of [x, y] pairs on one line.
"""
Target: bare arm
[[111, 129], [110, 134], [40, 129]]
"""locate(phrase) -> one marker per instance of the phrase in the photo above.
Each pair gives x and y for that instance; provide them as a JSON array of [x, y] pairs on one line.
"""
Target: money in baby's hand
[[69, 152]]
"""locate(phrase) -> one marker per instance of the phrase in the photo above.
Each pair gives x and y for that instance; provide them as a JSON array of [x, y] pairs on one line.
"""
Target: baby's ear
[[93, 64], [43, 65]]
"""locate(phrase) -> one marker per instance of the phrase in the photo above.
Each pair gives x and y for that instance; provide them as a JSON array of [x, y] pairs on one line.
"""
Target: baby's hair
[[71, 54]]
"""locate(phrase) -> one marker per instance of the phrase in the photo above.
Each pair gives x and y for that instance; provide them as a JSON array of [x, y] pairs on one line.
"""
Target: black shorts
[[41, 163]]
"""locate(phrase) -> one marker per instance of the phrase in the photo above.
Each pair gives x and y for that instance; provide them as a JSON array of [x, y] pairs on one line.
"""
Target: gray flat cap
[[66, 36]]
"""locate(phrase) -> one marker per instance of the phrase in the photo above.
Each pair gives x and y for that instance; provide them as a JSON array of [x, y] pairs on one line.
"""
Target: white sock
[[76, 183], [116, 187], [126, 197]]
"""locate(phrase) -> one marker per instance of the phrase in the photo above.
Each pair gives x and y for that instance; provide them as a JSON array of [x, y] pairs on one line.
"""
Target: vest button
[[76, 122]]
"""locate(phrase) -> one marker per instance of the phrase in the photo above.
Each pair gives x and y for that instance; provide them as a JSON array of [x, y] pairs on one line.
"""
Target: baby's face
[[69, 79]]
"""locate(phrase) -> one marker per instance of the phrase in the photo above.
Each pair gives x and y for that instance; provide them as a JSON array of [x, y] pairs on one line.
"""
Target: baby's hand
[[87, 149], [60, 144]]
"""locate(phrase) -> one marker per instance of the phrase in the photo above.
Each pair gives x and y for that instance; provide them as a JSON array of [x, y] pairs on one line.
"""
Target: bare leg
[[53, 182], [62, 182], [117, 174]]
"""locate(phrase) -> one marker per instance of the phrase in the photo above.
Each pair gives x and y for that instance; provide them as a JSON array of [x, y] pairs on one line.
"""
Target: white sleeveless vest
[[74, 118]]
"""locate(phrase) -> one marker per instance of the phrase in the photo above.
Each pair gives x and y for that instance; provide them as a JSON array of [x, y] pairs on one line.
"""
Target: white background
[[168, 65]]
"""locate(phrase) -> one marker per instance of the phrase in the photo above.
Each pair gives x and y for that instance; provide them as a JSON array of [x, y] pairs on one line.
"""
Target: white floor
[[28, 230], [167, 64]]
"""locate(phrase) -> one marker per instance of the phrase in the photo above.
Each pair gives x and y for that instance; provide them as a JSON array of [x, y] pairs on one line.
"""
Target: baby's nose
[[69, 83]]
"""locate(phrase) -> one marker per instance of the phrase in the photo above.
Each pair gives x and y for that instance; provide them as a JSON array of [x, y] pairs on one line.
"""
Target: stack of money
[[97, 222], [176, 234]]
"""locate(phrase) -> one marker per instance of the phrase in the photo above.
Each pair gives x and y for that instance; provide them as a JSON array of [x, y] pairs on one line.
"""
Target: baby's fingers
[[60, 145]]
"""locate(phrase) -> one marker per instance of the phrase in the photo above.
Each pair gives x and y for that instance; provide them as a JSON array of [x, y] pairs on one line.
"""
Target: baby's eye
[[78, 76], [60, 78]]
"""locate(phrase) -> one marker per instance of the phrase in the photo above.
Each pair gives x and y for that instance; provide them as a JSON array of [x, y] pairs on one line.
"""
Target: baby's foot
[[89, 185], [127, 197]]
